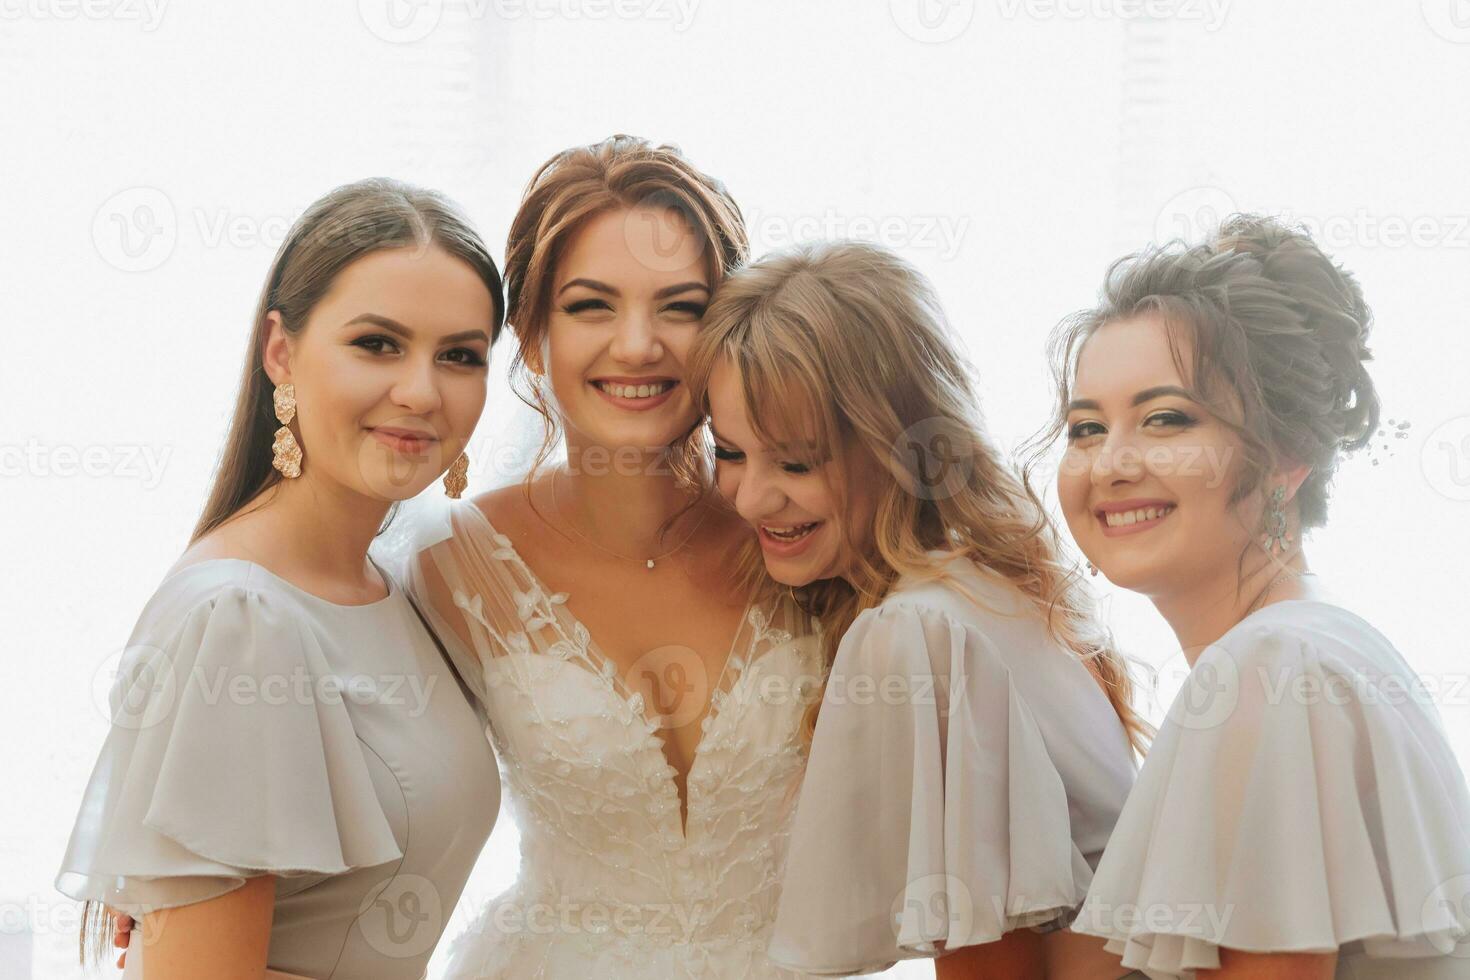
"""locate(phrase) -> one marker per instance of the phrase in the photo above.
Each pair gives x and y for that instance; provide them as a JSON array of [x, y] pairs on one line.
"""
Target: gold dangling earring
[[455, 479], [286, 452]]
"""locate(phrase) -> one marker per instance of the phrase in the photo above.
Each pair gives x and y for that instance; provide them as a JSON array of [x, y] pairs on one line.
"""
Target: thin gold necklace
[[1261, 597], [646, 562]]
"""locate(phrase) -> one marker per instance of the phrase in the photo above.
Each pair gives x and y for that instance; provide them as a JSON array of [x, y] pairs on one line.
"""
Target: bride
[[648, 715]]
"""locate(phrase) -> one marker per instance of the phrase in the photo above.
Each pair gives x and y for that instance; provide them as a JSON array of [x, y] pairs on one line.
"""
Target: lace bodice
[[613, 880]]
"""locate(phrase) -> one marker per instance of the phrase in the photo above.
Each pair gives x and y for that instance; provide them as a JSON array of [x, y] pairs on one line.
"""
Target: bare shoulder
[[245, 535], [508, 508], [223, 542]]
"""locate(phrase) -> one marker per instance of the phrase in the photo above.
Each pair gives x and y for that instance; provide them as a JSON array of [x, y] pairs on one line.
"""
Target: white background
[[153, 157]]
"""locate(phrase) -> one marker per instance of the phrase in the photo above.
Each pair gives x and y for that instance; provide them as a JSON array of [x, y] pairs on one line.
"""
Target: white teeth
[[634, 391], [1126, 518], [792, 533]]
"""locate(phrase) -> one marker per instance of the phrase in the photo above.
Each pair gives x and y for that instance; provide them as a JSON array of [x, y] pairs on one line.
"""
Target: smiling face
[[389, 370], [786, 495], [1148, 475], [627, 300]]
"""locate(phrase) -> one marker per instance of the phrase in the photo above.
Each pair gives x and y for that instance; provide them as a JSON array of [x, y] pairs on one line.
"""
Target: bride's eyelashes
[[684, 308], [696, 310], [381, 345]]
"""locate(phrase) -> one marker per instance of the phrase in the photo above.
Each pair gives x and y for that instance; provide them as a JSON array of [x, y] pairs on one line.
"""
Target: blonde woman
[[1301, 814], [594, 609], [972, 747], [294, 783]]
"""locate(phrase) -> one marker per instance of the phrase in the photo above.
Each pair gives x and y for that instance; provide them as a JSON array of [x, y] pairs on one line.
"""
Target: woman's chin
[[789, 577], [1145, 578], [617, 438]]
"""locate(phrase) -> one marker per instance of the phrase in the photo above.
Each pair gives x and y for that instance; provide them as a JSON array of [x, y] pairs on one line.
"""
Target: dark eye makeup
[[375, 344]]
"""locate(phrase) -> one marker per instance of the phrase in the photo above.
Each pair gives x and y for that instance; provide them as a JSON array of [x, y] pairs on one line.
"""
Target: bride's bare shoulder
[[508, 508]]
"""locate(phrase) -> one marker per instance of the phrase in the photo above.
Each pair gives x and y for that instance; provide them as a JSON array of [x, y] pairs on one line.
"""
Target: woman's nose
[[757, 496], [1118, 460], [636, 340], [417, 388]]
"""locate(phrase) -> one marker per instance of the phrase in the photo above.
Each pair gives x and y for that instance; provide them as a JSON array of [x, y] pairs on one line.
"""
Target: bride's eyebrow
[[592, 284]]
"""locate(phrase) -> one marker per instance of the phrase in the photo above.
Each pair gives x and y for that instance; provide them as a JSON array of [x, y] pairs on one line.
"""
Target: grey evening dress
[[258, 728], [1301, 796], [965, 776]]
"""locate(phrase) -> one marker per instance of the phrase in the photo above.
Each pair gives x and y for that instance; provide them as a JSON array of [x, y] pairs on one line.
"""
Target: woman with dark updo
[[1300, 813]]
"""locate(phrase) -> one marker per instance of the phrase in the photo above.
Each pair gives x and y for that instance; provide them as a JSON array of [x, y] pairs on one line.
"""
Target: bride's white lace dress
[[612, 882]]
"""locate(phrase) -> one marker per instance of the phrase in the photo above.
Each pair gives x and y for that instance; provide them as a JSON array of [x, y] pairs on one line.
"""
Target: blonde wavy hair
[[850, 337]]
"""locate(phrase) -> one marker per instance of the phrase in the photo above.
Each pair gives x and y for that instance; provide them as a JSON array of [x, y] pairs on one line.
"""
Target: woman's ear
[[275, 356], [1293, 477]]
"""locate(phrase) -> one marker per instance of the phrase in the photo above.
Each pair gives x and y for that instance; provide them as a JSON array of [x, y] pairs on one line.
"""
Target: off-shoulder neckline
[[293, 587]]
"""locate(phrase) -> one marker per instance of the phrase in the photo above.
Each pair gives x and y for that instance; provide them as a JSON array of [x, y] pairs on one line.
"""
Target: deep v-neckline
[[607, 668]]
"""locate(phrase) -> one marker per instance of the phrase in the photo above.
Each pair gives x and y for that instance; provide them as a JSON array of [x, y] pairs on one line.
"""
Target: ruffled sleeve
[[931, 812], [1296, 799], [231, 754]]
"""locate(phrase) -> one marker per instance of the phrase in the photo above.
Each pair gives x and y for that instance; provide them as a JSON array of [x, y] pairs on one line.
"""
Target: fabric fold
[[931, 812], [231, 754], [1301, 796]]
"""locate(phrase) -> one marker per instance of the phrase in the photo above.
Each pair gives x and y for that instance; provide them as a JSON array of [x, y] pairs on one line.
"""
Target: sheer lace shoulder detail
[[590, 788]]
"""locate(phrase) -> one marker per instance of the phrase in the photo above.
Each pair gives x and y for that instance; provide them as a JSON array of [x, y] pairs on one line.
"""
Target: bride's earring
[[1091, 569], [455, 479], [1276, 537], [286, 452]]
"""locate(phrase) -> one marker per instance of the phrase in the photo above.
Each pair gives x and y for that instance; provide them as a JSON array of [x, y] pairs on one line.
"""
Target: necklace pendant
[[650, 563]]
